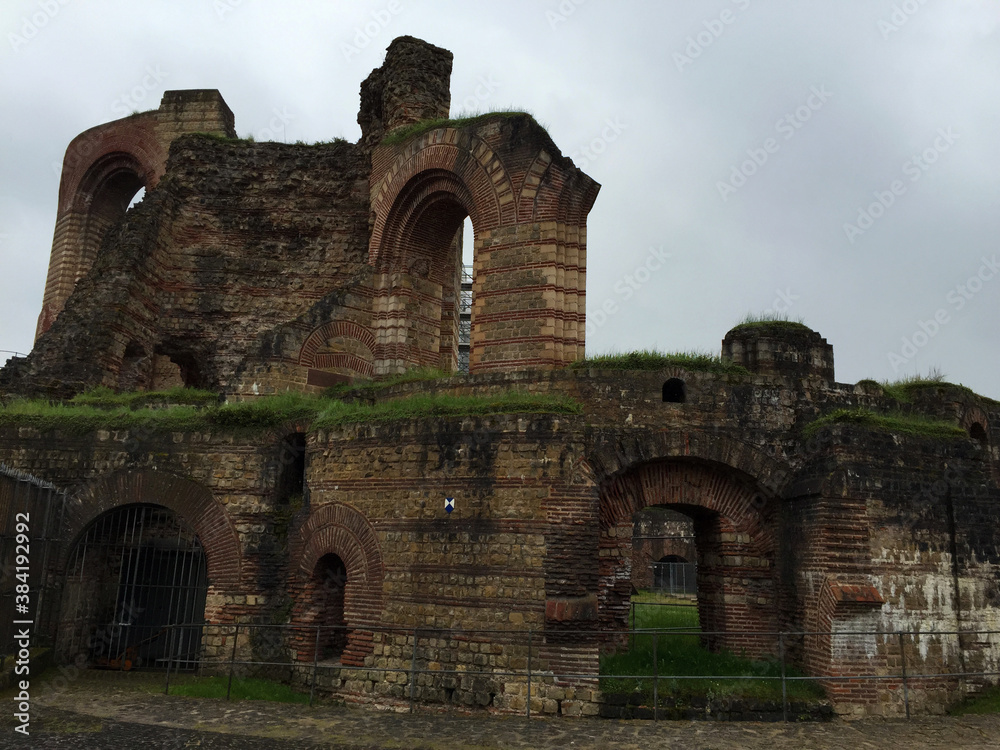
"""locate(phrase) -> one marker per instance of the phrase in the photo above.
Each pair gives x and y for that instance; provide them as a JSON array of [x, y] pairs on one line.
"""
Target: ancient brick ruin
[[255, 268]]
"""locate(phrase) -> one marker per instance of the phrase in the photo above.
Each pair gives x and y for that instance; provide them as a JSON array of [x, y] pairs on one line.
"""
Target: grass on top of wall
[[104, 397], [679, 653], [897, 422], [401, 135], [649, 359], [272, 412], [904, 389]]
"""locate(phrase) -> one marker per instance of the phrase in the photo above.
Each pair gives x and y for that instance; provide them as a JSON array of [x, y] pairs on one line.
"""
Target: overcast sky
[[836, 160]]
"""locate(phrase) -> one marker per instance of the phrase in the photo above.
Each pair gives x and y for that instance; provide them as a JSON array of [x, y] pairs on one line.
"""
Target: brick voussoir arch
[[193, 503], [342, 530], [464, 156], [608, 458]]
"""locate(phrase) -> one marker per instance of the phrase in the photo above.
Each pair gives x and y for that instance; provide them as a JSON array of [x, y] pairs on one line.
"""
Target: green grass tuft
[[242, 689], [442, 405], [647, 359], [897, 422], [271, 412], [103, 397], [774, 321], [404, 134]]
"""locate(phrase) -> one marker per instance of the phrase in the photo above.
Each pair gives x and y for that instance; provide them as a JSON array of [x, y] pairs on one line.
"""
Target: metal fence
[[31, 512], [267, 647], [675, 577]]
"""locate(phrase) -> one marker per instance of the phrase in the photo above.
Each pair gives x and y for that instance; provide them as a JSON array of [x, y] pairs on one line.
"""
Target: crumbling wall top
[[413, 84]]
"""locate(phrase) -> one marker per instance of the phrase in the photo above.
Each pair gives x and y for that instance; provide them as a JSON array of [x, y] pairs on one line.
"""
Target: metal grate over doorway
[[137, 572]]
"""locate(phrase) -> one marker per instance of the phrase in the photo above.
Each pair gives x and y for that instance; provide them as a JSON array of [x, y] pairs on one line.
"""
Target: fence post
[[656, 674], [528, 702], [906, 687], [170, 658], [784, 683], [232, 659], [312, 688], [413, 672]]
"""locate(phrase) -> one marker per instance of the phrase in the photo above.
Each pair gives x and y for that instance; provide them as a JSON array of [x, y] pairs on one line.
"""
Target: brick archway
[[340, 530], [528, 210], [352, 354], [734, 522], [193, 503]]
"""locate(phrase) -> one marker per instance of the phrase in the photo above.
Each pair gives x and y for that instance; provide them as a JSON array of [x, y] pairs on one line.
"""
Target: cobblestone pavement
[[91, 715]]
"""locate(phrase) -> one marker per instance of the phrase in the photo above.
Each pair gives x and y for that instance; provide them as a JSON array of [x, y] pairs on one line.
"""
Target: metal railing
[[272, 644]]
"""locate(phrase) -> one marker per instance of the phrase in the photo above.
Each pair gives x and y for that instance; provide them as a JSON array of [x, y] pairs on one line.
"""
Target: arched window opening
[[674, 392], [468, 239], [135, 592], [978, 432], [291, 480], [108, 202], [330, 579]]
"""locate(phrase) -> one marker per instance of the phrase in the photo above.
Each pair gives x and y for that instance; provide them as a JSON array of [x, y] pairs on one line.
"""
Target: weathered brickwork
[[257, 268]]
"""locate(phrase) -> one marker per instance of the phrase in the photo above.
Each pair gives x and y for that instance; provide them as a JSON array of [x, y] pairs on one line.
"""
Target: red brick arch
[[103, 168], [341, 530], [735, 529], [308, 356], [528, 210], [193, 503]]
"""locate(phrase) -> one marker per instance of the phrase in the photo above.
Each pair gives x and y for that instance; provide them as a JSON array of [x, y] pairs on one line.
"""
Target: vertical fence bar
[[312, 688], [906, 687], [170, 658], [656, 674], [413, 672], [631, 624], [784, 683], [232, 659], [528, 701]]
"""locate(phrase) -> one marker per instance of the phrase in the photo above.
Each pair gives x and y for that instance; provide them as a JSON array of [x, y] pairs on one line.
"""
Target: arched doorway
[[419, 304], [330, 580], [134, 574], [732, 521]]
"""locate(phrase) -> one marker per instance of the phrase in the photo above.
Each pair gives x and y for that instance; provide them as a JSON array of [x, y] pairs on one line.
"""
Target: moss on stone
[[896, 422], [401, 135]]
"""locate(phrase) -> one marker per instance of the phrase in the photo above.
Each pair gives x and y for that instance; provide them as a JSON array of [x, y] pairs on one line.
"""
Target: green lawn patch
[[679, 653], [987, 702], [243, 689], [897, 422], [648, 359]]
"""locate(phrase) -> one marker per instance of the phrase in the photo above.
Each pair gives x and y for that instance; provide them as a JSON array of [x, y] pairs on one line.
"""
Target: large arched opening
[[135, 590], [420, 300], [737, 592]]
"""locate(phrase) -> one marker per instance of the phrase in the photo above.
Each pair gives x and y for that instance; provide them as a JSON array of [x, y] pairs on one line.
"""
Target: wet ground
[[93, 714]]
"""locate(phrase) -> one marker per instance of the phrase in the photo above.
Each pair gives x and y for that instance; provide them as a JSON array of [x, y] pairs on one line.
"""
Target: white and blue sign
[[449, 504]]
